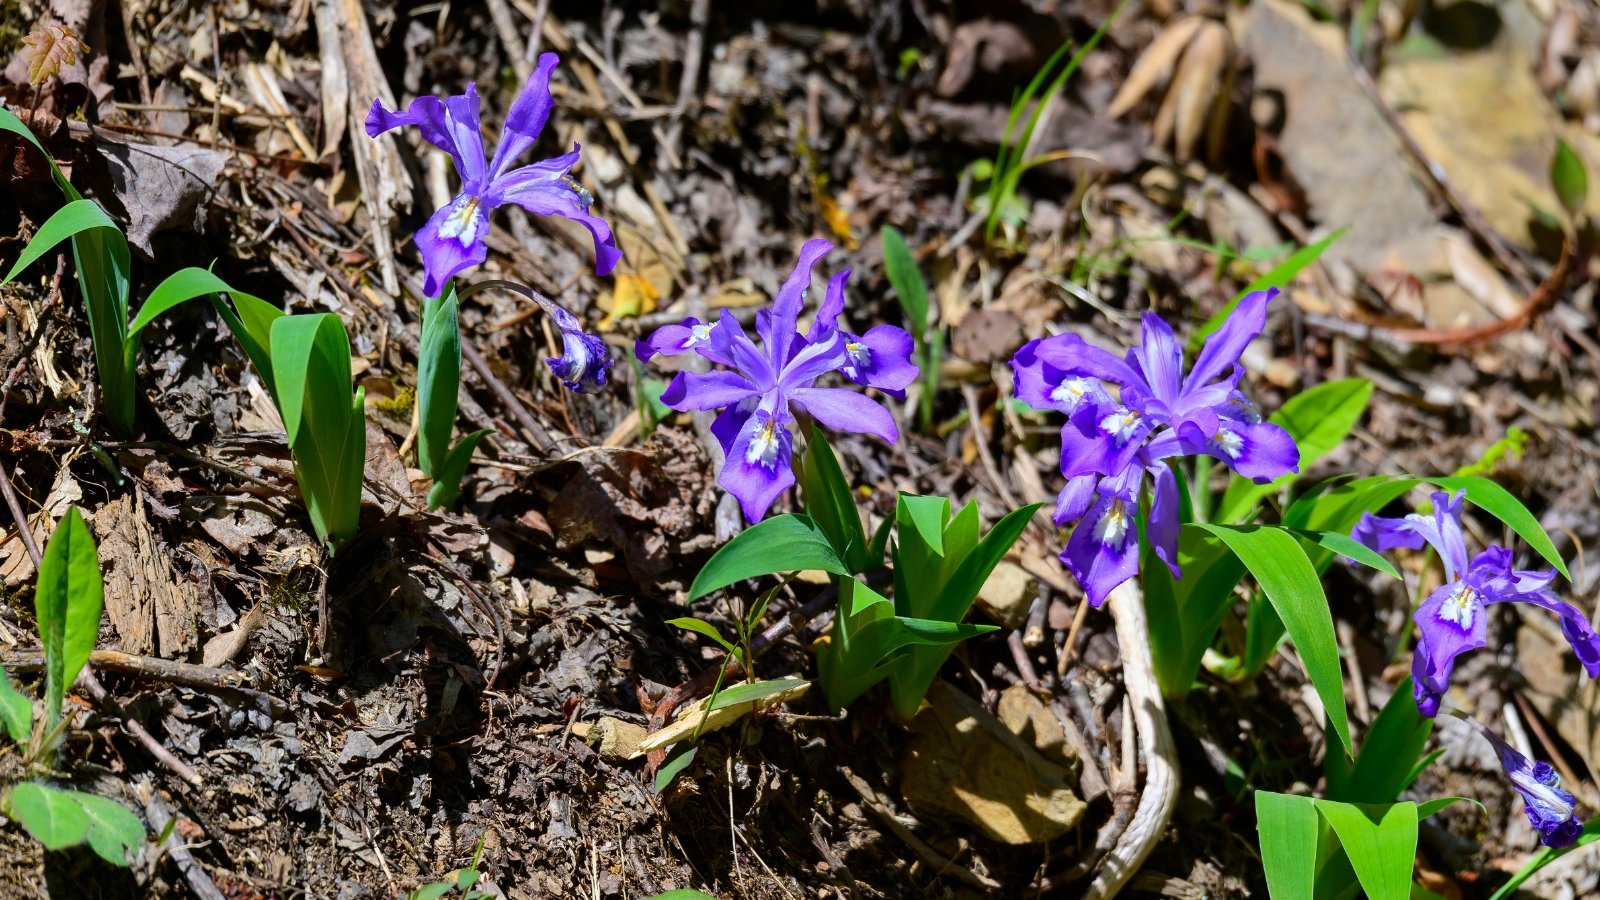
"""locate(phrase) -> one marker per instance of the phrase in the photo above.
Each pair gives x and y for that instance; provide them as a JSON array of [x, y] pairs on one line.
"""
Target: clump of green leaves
[[1358, 837], [304, 360], [67, 601], [940, 562], [438, 384]]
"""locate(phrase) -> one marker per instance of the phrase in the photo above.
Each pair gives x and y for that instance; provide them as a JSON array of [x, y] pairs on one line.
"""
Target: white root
[[1155, 741]]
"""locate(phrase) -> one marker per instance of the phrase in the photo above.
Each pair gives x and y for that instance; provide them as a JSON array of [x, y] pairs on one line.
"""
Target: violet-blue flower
[[762, 388], [583, 361], [1550, 809], [1451, 621], [1109, 445], [454, 238]]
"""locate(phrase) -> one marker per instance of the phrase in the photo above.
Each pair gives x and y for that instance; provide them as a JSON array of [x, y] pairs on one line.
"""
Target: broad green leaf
[[830, 505], [431, 891], [1287, 827], [67, 604], [702, 628], [438, 381], [1186, 613], [683, 894], [1294, 589], [674, 765], [250, 319], [1317, 419], [9, 122], [786, 543], [1380, 841], [1569, 177], [748, 693], [906, 279], [16, 711], [1385, 765], [447, 479], [176, 289], [1343, 545], [326, 430], [1277, 276], [73, 219], [54, 818], [114, 831]]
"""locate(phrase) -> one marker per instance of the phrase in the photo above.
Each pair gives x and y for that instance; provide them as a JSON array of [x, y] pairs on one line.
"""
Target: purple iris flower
[[1550, 809], [454, 237], [1451, 621], [762, 388], [1109, 445], [583, 361]]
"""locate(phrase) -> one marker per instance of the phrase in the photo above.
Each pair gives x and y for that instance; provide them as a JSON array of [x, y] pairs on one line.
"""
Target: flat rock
[[1007, 594], [1025, 715], [1482, 120], [1334, 140], [963, 763]]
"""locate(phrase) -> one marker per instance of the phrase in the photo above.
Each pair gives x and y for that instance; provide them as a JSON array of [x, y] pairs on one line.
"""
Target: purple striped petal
[[1103, 551], [450, 124], [846, 410], [832, 307], [1162, 524], [1075, 499], [880, 359], [707, 390], [1225, 345], [1159, 358], [758, 468], [545, 189], [527, 116], [452, 240], [783, 328], [1072, 356], [1449, 623]]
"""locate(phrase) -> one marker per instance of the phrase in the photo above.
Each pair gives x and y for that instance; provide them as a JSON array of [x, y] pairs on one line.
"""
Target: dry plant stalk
[[51, 46]]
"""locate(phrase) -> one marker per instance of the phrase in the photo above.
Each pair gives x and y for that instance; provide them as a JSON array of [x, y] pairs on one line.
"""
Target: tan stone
[[1028, 717], [1007, 594], [963, 763], [615, 739]]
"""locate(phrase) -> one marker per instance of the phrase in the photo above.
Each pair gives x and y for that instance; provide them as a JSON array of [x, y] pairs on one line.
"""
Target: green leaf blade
[[1294, 589], [787, 543]]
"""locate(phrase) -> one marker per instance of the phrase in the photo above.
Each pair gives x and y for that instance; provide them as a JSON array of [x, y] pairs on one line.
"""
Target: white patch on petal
[[1113, 526], [1071, 392], [698, 334], [765, 444], [1461, 607], [1229, 442], [585, 199], [1120, 424], [857, 355], [461, 225]]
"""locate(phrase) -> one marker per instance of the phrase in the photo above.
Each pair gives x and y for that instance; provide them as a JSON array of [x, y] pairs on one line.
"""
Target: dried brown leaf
[[1155, 64], [51, 46], [1194, 88]]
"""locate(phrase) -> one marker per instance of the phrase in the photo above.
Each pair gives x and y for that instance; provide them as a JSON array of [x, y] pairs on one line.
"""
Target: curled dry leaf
[[1196, 55], [51, 46]]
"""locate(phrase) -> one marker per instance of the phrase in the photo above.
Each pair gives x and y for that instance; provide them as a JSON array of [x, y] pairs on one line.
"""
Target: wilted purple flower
[[1109, 445], [583, 361], [1550, 809], [1451, 621], [767, 384], [454, 237]]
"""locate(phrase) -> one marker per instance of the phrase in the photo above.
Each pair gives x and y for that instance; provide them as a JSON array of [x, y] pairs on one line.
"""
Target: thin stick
[[941, 863]]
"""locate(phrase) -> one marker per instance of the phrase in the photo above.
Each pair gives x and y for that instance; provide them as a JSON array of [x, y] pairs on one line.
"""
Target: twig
[[136, 728], [693, 49], [204, 678], [158, 814], [942, 864]]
